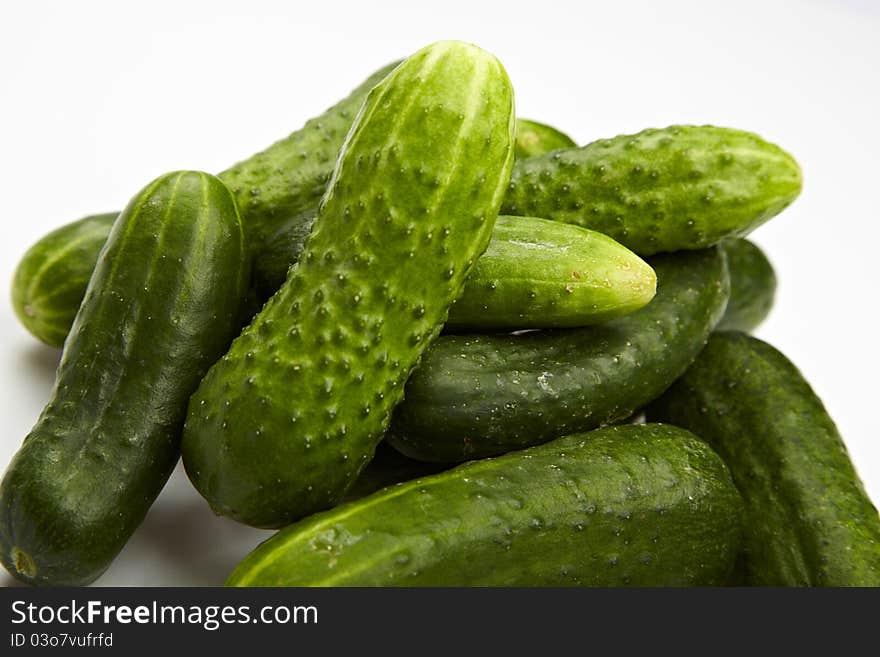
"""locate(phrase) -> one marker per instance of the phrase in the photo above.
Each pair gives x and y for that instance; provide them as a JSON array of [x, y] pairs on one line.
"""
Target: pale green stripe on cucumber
[[638, 505]]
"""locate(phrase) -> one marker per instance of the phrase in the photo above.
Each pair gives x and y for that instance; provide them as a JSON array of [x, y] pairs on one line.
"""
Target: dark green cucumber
[[51, 278], [161, 306], [682, 187], [389, 467], [533, 138], [640, 505], [752, 286], [808, 521], [270, 187], [283, 424], [480, 395], [534, 274]]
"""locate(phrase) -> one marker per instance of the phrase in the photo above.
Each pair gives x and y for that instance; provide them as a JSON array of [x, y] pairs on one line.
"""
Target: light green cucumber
[[808, 521], [752, 286], [270, 187], [533, 138], [162, 305], [534, 274], [681, 187], [638, 505], [284, 422]]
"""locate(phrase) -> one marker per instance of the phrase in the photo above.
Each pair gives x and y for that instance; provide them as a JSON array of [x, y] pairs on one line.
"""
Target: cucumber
[[682, 187], [640, 505], [534, 274], [270, 187], [533, 138], [480, 395], [282, 424], [752, 286], [808, 521], [51, 279], [161, 306]]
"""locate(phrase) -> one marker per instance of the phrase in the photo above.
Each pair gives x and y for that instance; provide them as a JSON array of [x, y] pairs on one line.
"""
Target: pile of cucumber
[[435, 344]]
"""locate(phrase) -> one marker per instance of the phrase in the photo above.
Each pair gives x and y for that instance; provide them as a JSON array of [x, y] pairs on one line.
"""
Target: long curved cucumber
[[640, 505], [162, 305], [808, 521], [283, 423], [533, 138], [534, 274], [480, 395], [681, 187], [752, 286], [282, 181]]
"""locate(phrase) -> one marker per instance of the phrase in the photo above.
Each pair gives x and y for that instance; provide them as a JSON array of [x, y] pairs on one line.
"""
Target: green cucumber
[[533, 138], [285, 421], [161, 306], [51, 278], [808, 520], [682, 187], [752, 286], [480, 395], [270, 187], [640, 505], [534, 274], [544, 274]]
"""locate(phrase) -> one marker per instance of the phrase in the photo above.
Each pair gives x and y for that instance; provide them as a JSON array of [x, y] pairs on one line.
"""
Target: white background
[[98, 98]]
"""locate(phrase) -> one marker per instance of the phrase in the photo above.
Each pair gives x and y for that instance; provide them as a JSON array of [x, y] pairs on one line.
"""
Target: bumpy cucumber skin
[[161, 306], [282, 425], [640, 505], [752, 286], [481, 395], [533, 138], [544, 274], [270, 187], [51, 278], [808, 520], [682, 187]]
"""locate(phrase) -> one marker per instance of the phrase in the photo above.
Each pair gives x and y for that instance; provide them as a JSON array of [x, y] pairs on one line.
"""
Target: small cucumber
[[682, 187], [808, 521], [162, 305], [533, 138], [639, 505], [752, 286], [534, 274], [285, 421], [280, 182], [51, 279], [480, 395]]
